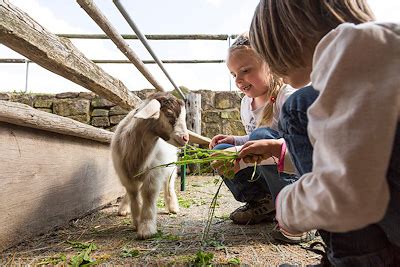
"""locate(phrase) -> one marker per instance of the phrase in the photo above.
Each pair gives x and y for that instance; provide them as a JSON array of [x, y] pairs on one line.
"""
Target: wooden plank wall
[[48, 179]]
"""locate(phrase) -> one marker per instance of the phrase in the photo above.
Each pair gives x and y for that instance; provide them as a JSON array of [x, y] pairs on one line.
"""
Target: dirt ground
[[178, 243]]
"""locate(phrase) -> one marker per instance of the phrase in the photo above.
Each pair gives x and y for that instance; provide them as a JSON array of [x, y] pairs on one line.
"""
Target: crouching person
[[352, 192]]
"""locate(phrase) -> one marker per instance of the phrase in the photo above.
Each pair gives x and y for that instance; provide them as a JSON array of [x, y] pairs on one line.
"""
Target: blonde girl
[[264, 95]]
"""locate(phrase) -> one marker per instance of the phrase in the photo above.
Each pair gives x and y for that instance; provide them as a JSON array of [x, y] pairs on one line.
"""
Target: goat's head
[[165, 116]]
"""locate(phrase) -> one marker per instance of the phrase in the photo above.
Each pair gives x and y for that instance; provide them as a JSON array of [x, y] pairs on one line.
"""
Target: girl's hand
[[226, 169], [258, 150], [221, 138]]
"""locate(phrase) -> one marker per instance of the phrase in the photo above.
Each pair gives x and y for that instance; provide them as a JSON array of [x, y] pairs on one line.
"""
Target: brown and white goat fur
[[139, 143]]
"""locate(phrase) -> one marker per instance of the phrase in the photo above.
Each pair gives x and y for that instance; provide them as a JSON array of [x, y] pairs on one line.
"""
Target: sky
[[151, 17]]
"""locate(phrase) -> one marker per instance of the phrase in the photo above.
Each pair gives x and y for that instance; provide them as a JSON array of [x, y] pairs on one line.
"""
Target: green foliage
[[185, 203], [194, 155], [199, 202], [83, 258], [127, 221], [203, 258], [53, 260], [223, 216], [160, 203], [215, 243], [234, 261], [210, 216], [80, 245], [161, 236], [129, 253]]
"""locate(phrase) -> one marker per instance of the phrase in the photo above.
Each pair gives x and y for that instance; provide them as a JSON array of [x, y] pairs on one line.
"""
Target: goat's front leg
[[171, 200], [147, 226], [133, 193]]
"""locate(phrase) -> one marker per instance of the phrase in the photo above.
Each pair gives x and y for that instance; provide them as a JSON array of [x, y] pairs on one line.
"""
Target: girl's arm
[[240, 140], [352, 126]]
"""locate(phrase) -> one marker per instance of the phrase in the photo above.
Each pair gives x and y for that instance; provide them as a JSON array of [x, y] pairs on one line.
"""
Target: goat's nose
[[185, 138]]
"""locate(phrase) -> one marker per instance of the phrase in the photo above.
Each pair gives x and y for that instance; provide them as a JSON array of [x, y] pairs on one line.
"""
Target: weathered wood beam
[[95, 13], [24, 115], [122, 61], [24, 35], [162, 37]]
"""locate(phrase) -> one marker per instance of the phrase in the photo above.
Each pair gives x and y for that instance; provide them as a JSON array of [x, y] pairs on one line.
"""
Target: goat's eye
[[171, 118]]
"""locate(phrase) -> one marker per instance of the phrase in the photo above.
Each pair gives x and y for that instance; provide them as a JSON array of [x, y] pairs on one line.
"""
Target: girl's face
[[250, 73]]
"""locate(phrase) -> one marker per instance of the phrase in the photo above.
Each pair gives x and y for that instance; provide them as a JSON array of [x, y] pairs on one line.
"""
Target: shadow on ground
[[178, 242]]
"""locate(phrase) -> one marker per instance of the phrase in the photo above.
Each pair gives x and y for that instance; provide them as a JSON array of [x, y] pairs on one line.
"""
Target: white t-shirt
[[250, 118]]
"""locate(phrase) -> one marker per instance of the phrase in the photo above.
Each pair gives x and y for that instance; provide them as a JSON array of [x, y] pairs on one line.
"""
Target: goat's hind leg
[[147, 226], [124, 207], [170, 198]]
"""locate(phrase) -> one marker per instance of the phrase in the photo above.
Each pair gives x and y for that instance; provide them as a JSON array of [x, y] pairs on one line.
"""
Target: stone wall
[[220, 110]]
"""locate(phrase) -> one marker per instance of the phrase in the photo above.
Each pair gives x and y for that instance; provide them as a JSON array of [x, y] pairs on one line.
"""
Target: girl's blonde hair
[[242, 43], [283, 30]]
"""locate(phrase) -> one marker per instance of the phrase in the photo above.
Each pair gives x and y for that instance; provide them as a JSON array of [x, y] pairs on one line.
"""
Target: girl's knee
[[263, 133], [222, 146]]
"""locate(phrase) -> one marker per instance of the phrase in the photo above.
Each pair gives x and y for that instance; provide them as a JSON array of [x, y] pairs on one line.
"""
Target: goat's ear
[[151, 110]]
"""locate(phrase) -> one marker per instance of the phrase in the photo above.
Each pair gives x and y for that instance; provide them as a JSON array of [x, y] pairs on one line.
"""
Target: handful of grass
[[194, 155]]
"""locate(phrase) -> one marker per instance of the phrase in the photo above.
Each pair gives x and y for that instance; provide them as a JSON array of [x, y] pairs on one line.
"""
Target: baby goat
[[138, 144]]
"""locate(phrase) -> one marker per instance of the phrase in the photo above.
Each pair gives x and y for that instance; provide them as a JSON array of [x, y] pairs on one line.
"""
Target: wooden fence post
[[193, 109], [193, 121]]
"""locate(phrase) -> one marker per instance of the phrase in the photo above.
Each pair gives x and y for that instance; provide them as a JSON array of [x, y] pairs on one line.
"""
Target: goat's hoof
[[172, 204], [123, 212], [144, 236], [173, 210], [146, 231]]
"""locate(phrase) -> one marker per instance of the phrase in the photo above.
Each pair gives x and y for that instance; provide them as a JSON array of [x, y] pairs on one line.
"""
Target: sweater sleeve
[[240, 140], [352, 126], [283, 94]]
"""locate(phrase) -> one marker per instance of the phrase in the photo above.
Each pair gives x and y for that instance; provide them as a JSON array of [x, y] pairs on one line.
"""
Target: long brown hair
[[242, 43], [283, 30]]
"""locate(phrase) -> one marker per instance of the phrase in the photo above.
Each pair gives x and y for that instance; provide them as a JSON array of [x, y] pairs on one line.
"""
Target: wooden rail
[[119, 61], [221, 37], [23, 115]]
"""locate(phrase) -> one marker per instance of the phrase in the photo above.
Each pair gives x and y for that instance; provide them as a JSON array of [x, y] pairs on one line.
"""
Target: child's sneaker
[[280, 235], [254, 212]]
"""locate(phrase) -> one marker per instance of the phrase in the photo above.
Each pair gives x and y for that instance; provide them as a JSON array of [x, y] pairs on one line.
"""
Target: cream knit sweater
[[356, 69]]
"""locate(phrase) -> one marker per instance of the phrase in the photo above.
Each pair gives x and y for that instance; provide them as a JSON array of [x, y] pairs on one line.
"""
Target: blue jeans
[[374, 245], [293, 118], [243, 189]]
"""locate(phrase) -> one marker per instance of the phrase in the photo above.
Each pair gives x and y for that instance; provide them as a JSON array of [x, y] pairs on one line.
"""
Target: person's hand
[[225, 168], [259, 150], [221, 138]]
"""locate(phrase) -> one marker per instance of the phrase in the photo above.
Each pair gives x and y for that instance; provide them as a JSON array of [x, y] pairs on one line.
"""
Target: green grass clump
[[165, 236], [83, 258], [234, 261], [194, 155], [203, 258], [53, 260], [129, 253]]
